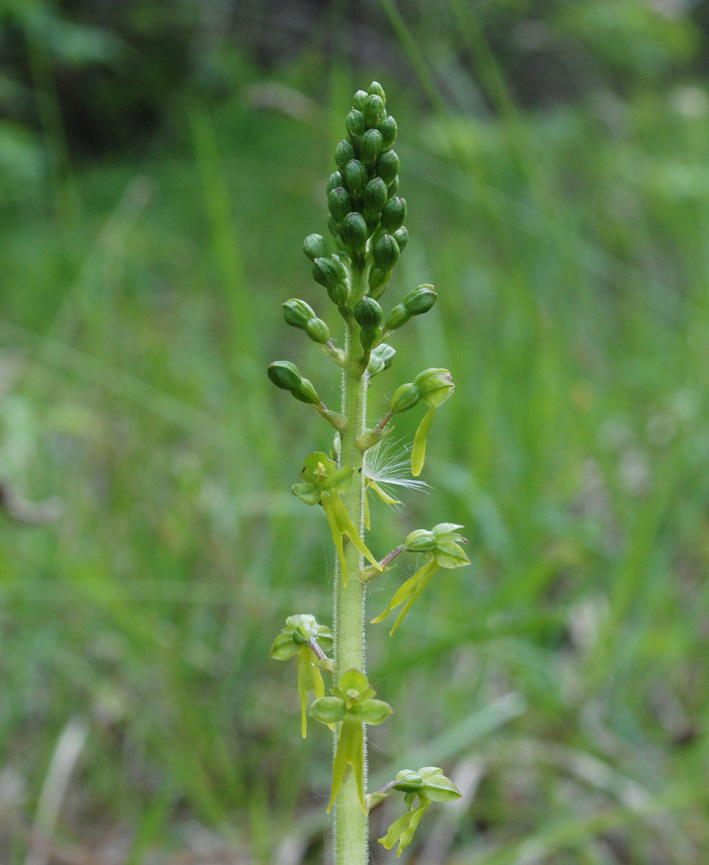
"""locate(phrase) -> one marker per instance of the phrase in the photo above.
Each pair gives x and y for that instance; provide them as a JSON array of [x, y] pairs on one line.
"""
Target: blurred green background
[[160, 164]]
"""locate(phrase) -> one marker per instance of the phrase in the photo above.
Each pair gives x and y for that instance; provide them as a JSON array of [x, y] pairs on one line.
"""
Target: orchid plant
[[368, 234]]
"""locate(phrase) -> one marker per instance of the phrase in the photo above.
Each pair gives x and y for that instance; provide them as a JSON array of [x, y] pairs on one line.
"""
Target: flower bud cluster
[[366, 216]]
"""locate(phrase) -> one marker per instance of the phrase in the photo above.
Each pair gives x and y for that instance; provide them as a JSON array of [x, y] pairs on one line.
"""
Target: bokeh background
[[160, 165]]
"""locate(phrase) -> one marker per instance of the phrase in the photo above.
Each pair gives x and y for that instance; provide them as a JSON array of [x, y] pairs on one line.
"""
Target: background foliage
[[160, 163]]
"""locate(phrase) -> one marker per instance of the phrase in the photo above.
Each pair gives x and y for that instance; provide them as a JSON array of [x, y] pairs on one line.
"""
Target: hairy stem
[[351, 821]]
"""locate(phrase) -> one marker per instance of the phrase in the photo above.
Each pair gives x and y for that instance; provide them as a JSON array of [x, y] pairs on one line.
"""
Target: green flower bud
[[373, 110], [328, 710], [318, 331], [435, 386], [355, 123], [378, 279], [368, 314], [297, 313], [420, 300], [397, 318], [339, 204], [388, 166], [385, 252], [371, 146], [326, 272], [420, 541], [401, 236], [355, 177], [315, 246], [343, 153], [376, 89], [393, 187], [334, 181], [405, 397], [374, 196], [407, 781], [388, 129], [287, 376], [353, 231], [359, 99], [394, 213], [380, 359]]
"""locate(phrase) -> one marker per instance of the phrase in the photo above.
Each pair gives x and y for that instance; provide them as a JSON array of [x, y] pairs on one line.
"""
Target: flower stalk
[[366, 221]]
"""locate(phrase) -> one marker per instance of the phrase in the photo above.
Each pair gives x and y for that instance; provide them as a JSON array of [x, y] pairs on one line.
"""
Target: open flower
[[303, 636], [352, 705], [322, 483], [441, 549], [429, 784]]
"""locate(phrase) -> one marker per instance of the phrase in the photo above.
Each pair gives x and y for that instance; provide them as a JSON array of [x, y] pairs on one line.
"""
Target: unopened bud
[[374, 197], [435, 386], [353, 231], [368, 315], [401, 236], [355, 123], [385, 252], [339, 204], [388, 129], [373, 110], [405, 397], [371, 146], [380, 359], [326, 272], [314, 246], [318, 331], [286, 375], [420, 541], [359, 99], [397, 318], [394, 213], [355, 177], [343, 153], [376, 89], [378, 279], [334, 181], [388, 166], [297, 313], [407, 781], [420, 300]]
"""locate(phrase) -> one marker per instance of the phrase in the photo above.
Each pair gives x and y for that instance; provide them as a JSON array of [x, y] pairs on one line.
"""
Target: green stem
[[351, 822]]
